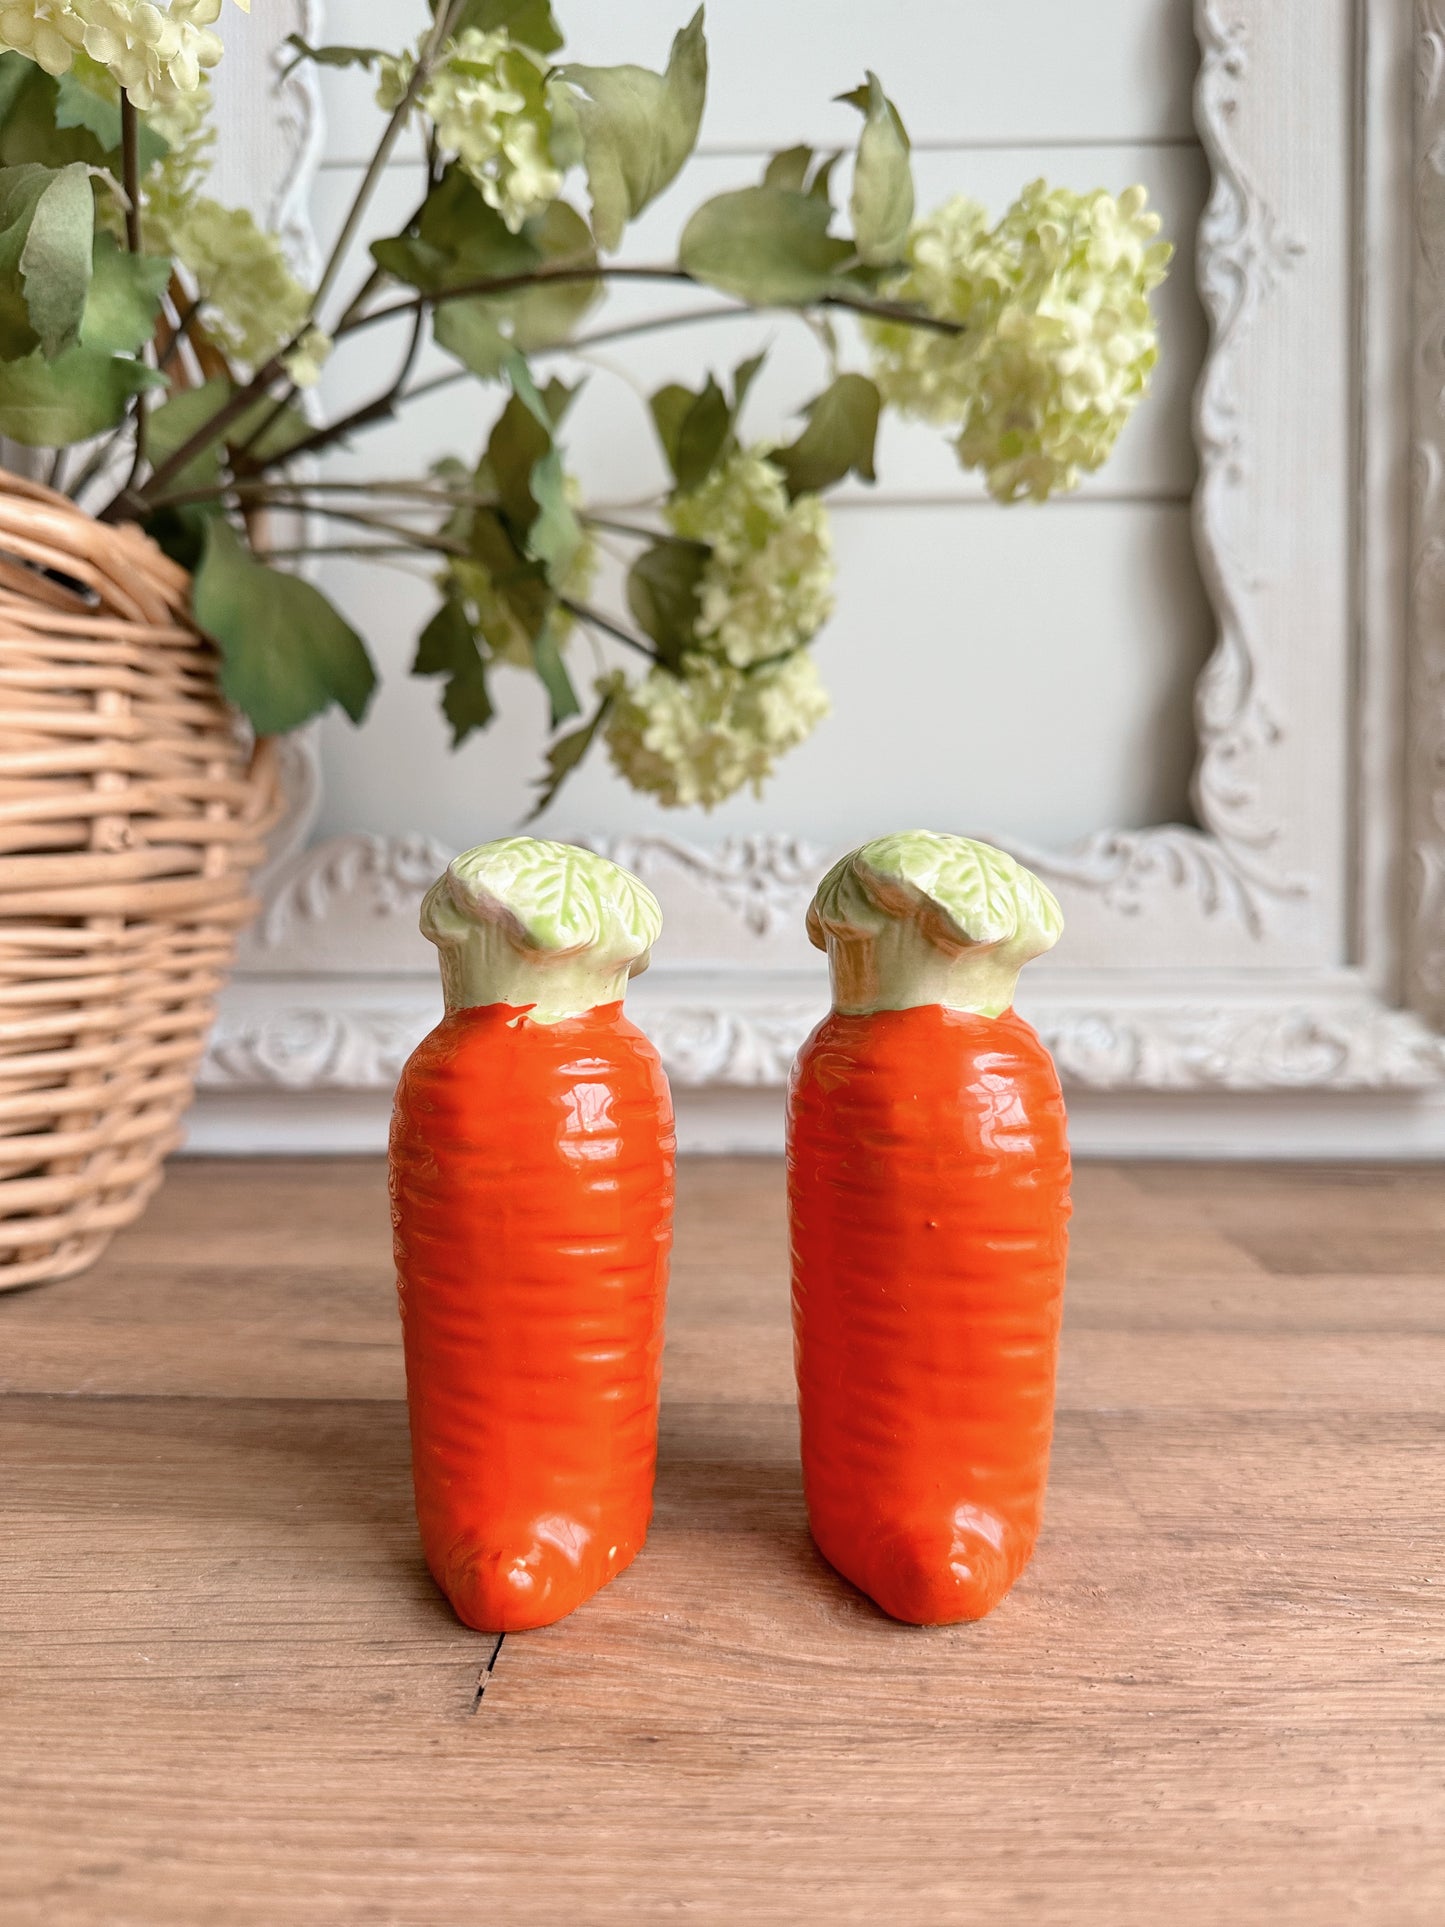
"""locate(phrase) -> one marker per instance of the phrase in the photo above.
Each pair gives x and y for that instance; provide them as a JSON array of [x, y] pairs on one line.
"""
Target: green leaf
[[527, 21], [49, 404], [543, 316], [458, 239], [789, 168], [861, 97], [703, 436], [446, 642], [559, 398], [697, 430], [171, 425], [478, 331], [470, 331], [743, 377], [20, 189], [821, 182], [467, 702], [638, 128], [767, 245], [670, 407], [55, 263], [15, 76], [568, 751], [329, 56], [77, 106], [56, 120], [662, 593], [28, 128], [180, 533], [125, 294], [520, 581], [554, 535], [189, 409], [448, 647], [286, 653], [552, 672], [47, 221], [279, 436], [841, 432], [881, 203], [518, 441]]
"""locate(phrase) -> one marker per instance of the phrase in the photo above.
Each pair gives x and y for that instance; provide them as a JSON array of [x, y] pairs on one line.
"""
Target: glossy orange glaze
[[928, 1184], [531, 1197]]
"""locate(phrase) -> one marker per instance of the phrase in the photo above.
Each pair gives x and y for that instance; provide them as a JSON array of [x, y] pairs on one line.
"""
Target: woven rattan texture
[[132, 815]]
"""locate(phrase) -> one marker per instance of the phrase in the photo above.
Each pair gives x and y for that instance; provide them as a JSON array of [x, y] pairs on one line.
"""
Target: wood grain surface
[[230, 1693]]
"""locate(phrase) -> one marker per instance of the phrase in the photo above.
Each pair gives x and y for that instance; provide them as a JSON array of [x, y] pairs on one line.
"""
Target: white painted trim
[[1132, 1124], [1267, 982]]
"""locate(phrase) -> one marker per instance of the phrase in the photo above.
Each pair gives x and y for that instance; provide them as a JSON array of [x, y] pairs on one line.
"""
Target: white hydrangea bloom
[[1060, 336], [768, 584], [157, 53], [488, 101], [699, 737]]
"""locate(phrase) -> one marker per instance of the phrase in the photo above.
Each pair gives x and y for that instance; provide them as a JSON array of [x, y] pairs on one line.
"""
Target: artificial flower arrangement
[[160, 345]]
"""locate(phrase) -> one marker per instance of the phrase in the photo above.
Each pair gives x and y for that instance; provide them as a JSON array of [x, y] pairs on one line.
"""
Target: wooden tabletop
[[230, 1693]]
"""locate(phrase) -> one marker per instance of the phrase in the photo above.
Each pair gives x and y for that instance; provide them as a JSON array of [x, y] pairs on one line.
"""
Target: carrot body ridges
[[532, 1191], [928, 1177]]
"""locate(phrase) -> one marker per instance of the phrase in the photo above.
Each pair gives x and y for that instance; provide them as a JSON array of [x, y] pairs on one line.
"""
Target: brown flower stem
[[631, 529], [130, 181], [584, 613], [495, 285], [377, 409], [375, 550], [436, 40], [880, 310], [130, 169]]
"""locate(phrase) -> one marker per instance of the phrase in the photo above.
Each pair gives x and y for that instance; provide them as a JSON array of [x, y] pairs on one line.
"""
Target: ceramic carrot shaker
[[531, 1198], [928, 1185]]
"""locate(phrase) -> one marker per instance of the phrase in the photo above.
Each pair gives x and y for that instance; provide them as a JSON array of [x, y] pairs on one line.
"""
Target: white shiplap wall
[[1025, 671]]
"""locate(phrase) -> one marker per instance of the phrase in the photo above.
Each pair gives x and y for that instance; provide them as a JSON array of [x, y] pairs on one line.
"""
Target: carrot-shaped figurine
[[928, 1184], [531, 1186]]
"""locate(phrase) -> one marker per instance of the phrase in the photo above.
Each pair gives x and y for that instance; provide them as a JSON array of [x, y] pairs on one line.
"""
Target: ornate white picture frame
[[1268, 979]]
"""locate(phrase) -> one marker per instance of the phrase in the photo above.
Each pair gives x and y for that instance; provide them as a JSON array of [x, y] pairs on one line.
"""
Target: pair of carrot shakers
[[532, 1192]]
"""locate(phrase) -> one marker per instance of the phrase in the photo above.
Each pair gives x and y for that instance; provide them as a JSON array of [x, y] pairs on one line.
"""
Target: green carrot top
[[920, 918], [548, 925]]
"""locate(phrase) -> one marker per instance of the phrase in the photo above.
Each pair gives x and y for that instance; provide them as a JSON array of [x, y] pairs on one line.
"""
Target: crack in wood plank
[[484, 1677]]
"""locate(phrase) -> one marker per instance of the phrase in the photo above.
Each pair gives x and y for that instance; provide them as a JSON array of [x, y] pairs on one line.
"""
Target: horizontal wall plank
[[957, 68], [610, 437], [987, 675]]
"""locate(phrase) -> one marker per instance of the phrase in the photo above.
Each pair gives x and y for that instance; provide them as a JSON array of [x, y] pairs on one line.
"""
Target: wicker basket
[[132, 814]]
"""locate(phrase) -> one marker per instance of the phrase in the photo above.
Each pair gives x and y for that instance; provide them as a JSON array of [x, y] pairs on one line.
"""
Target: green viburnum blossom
[[490, 104], [767, 586], [252, 300], [698, 737], [1059, 340], [157, 53]]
